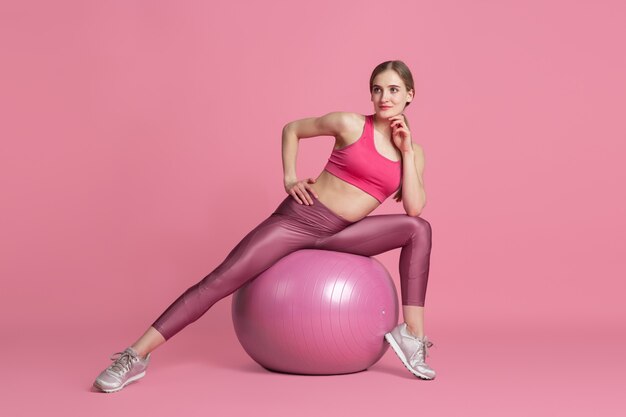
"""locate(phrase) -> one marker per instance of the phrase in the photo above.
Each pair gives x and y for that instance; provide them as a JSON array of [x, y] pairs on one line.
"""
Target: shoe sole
[[128, 381], [396, 348]]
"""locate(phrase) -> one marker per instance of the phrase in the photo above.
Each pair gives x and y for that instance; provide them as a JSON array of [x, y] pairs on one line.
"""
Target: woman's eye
[[376, 89]]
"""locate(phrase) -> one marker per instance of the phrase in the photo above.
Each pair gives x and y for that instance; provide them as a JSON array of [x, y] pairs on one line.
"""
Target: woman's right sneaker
[[128, 367], [411, 350]]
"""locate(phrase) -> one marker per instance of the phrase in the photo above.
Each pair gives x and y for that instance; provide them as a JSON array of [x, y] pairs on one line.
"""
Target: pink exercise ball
[[317, 312]]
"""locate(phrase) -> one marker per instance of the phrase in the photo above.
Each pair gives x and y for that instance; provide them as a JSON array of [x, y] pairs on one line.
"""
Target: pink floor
[[488, 370]]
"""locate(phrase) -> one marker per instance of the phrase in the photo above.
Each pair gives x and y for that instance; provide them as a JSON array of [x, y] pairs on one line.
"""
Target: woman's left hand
[[400, 133]]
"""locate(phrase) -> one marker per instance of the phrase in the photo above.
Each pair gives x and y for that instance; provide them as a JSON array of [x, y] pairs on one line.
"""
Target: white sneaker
[[411, 350], [128, 367]]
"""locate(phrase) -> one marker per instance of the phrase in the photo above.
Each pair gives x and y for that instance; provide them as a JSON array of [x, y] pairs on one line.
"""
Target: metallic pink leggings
[[293, 226]]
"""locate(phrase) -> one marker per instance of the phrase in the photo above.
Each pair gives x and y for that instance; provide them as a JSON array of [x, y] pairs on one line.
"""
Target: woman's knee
[[420, 226]]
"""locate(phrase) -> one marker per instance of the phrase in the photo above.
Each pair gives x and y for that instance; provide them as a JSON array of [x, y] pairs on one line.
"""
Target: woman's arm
[[299, 190], [290, 152], [413, 193], [330, 124]]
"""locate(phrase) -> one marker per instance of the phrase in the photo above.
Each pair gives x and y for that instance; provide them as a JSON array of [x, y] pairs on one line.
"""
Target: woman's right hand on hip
[[300, 190]]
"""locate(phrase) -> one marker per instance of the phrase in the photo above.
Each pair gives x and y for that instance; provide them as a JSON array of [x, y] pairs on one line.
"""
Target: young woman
[[374, 156]]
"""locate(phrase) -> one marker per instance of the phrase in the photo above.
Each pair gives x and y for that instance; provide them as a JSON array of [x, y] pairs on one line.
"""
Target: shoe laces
[[424, 344], [122, 363]]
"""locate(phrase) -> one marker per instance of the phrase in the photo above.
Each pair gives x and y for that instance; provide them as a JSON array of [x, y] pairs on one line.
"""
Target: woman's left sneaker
[[411, 350], [128, 367]]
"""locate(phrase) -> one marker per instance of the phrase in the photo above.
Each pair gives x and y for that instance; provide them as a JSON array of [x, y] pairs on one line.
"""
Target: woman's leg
[[373, 235], [149, 341], [271, 240]]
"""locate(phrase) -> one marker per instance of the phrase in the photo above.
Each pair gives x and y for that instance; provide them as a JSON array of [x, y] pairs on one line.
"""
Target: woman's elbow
[[415, 212]]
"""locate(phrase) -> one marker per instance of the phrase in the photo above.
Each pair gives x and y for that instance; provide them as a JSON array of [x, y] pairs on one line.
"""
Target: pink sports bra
[[361, 165]]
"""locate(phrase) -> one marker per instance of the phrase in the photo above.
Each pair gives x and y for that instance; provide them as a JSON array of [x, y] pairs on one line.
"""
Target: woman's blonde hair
[[405, 74]]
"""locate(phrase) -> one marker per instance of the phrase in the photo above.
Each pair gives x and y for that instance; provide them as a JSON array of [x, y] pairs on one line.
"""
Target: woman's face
[[389, 94]]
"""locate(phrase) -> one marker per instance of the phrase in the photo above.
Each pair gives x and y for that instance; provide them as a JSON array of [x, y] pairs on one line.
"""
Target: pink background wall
[[141, 142]]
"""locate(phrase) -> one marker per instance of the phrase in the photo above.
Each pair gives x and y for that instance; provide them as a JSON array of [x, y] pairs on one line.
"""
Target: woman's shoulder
[[351, 121], [347, 118], [352, 124]]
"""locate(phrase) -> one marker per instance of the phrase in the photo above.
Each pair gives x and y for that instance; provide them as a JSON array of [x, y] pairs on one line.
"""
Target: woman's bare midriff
[[343, 198]]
